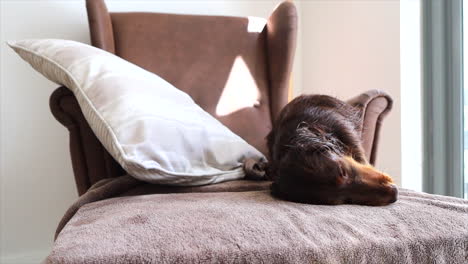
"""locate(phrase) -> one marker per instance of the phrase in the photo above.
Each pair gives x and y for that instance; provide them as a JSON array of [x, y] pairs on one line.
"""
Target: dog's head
[[324, 177], [310, 165]]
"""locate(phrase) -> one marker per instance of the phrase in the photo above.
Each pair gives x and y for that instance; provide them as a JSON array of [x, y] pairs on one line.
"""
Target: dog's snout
[[393, 190]]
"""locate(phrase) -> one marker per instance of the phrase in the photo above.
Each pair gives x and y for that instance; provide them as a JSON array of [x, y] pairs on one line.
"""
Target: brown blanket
[[253, 227], [129, 186]]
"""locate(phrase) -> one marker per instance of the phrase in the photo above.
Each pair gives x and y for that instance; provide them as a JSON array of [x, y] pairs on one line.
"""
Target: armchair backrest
[[235, 68]]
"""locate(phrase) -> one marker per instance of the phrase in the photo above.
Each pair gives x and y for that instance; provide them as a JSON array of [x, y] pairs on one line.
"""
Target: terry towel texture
[[254, 227]]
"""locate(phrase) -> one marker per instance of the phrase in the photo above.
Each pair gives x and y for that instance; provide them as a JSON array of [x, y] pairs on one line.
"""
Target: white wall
[[36, 177], [350, 47], [344, 47], [411, 105]]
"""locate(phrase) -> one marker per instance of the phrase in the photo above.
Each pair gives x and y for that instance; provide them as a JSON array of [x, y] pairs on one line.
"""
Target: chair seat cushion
[[254, 227]]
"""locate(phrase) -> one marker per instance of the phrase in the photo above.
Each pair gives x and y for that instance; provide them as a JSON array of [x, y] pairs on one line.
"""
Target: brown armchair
[[196, 54], [236, 221]]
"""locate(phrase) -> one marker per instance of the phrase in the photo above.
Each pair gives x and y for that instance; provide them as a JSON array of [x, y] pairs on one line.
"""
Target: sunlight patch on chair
[[256, 24], [240, 90]]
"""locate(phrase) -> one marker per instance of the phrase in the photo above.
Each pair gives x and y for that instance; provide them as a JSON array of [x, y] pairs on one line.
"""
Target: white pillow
[[156, 132]]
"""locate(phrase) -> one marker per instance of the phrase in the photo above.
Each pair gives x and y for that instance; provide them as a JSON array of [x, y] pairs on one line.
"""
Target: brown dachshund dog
[[316, 156]]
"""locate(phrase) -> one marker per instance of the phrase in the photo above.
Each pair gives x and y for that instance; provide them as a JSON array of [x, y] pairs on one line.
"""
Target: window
[[465, 98], [443, 104]]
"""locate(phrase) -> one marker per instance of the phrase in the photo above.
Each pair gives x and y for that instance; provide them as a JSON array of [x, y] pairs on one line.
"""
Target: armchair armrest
[[373, 105], [90, 160]]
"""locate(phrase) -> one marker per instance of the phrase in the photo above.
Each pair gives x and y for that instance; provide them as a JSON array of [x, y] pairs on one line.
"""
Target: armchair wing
[[374, 105]]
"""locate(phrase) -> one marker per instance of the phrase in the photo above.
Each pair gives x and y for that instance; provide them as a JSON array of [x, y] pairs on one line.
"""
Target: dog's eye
[[340, 181], [343, 173], [344, 177]]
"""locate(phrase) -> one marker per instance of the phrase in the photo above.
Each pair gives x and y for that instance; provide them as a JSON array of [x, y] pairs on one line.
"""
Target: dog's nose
[[393, 193]]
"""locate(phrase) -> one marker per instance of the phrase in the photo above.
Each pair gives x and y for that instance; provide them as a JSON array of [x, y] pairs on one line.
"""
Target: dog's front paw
[[255, 170]]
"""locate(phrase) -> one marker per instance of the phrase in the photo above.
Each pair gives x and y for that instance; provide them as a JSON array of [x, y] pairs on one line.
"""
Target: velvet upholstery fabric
[[374, 105], [102, 35]]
